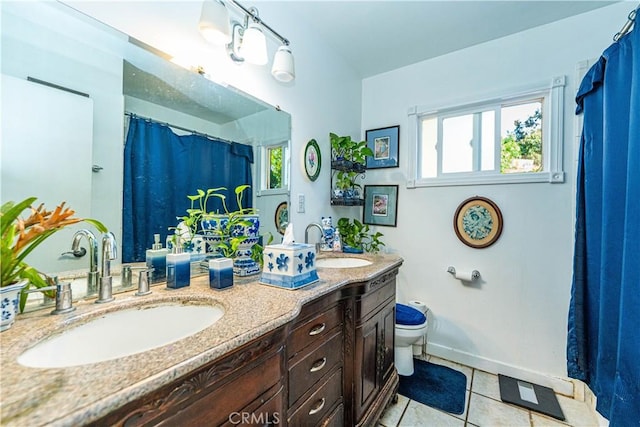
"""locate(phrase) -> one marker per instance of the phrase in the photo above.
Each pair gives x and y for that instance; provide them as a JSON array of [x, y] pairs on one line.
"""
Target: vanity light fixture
[[214, 22], [247, 40], [283, 68], [254, 45]]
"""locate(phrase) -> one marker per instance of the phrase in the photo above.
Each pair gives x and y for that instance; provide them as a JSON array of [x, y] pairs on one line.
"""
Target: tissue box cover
[[289, 266]]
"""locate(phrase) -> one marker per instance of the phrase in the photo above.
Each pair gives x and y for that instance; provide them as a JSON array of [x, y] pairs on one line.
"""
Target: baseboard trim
[[564, 386]]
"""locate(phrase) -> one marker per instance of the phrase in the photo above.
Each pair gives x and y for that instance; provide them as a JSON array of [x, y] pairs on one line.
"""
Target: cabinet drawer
[[336, 419], [318, 405], [314, 366], [314, 331], [312, 308], [371, 301]]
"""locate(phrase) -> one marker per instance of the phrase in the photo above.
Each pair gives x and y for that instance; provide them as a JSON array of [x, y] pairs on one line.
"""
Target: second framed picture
[[384, 143], [380, 205]]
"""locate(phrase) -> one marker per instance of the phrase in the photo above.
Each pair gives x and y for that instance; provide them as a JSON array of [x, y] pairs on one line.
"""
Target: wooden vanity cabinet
[[247, 381], [331, 366], [373, 378]]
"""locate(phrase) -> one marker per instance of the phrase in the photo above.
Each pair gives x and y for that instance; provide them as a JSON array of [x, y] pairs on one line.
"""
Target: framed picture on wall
[[384, 143], [478, 222], [380, 205]]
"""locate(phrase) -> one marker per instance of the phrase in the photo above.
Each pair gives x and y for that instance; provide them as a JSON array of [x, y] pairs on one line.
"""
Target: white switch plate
[[300, 203]]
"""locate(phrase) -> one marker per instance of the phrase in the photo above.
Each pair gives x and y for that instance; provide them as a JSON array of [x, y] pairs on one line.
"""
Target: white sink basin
[[342, 262], [121, 333]]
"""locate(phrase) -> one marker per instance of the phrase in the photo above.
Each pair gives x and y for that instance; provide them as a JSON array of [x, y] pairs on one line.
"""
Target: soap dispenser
[[337, 242], [178, 267], [157, 259]]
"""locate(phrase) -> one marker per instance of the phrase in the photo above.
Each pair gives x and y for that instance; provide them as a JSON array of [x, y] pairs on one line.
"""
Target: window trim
[[553, 172]]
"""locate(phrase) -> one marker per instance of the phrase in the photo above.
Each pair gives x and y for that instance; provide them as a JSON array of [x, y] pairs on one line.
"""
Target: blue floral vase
[[10, 300], [243, 264]]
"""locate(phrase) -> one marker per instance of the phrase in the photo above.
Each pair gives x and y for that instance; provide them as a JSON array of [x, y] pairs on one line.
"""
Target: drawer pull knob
[[317, 329], [318, 365], [318, 407]]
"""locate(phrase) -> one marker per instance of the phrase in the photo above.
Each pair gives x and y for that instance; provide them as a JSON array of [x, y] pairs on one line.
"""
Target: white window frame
[[263, 164], [552, 150]]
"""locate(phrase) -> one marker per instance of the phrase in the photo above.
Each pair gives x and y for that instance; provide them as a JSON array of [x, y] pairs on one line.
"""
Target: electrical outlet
[[300, 203]]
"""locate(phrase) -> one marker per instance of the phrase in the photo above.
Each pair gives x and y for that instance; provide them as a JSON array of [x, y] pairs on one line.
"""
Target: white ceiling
[[373, 36], [379, 36]]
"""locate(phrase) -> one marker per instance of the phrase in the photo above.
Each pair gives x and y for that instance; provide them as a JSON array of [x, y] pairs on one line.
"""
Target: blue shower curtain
[[603, 347], [162, 168]]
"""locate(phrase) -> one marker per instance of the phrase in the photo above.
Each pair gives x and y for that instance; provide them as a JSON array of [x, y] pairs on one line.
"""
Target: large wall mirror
[[65, 141]]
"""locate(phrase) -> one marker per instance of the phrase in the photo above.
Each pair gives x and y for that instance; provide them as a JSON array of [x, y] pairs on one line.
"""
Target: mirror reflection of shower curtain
[[162, 168], [603, 343]]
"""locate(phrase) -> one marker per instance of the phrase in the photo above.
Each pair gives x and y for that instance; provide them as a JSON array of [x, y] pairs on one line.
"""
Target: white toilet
[[411, 327]]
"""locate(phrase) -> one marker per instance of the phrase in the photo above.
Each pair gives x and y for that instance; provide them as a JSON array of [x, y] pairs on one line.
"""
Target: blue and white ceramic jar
[[10, 300]]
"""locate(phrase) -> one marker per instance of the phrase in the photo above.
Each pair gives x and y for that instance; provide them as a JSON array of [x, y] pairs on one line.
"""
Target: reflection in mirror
[[156, 88], [53, 43]]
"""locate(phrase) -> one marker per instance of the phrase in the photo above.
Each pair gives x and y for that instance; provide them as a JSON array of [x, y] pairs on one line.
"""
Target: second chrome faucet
[[99, 282], [109, 253], [92, 276]]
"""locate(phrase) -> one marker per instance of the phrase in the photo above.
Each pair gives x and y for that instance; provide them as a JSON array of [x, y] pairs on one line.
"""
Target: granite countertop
[[77, 395]]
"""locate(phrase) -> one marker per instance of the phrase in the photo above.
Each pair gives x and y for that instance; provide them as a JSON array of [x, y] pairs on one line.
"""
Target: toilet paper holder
[[475, 274]]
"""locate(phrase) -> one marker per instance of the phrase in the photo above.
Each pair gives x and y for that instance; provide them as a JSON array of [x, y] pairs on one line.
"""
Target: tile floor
[[483, 408]]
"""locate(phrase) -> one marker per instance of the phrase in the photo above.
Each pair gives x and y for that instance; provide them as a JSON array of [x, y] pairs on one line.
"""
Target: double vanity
[[252, 354]]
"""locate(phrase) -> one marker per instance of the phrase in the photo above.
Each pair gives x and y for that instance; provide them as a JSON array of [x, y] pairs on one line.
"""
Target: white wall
[[515, 318]]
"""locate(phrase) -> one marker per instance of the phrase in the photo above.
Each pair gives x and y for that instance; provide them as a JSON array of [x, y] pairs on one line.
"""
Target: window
[[516, 138], [274, 174]]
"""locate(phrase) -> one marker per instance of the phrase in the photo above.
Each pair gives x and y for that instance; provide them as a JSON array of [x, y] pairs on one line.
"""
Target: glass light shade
[[214, 22], [283, 68], [254, 45]]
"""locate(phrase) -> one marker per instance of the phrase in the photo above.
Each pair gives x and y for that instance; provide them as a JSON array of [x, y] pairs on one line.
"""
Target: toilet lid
[[406, 315]]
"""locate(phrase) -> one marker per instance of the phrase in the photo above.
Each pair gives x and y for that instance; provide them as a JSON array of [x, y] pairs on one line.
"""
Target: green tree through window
[[524, 143], [275, 167]]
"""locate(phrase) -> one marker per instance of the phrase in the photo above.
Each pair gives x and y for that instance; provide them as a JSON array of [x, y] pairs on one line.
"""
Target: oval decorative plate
[[478, 222], [312, 160]]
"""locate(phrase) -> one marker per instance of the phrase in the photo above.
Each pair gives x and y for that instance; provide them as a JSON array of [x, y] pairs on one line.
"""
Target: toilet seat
[[409, 316]]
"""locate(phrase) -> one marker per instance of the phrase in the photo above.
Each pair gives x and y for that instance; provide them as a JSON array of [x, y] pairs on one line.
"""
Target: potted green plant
[[339, 146], [232, 234], [19, 237], [346, 185], [356, 237], [191, 223], [347, 153]]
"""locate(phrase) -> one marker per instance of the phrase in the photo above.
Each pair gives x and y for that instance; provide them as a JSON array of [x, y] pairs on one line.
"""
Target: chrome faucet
[[92, 276], [109, 253], [306, 234]]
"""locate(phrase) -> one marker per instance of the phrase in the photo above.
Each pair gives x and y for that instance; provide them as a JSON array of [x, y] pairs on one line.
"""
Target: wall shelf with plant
[[348, 163]]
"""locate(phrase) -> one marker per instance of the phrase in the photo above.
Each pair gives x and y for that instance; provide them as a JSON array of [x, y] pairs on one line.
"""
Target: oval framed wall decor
[[282, 217], [312, 160], [478, 222]]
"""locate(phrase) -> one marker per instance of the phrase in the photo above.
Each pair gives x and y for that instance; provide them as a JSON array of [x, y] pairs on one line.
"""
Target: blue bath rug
[[435, 385]]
